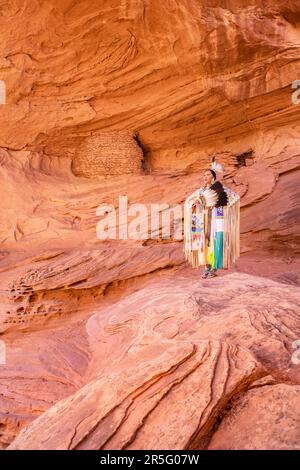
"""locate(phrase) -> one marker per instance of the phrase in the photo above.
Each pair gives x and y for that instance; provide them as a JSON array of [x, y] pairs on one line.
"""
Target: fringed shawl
[[195, 230]]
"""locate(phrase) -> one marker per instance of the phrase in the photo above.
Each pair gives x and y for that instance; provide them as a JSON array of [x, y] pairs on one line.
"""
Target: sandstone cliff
[[118, 344]]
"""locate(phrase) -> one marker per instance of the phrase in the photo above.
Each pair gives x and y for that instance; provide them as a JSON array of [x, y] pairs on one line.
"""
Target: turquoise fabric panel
[[218, 249]]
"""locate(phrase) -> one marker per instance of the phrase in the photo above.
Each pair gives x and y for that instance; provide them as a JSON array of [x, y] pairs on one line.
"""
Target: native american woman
[[212, 225]]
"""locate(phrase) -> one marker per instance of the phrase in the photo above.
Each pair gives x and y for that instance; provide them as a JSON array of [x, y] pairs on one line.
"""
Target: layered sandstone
[[132, 98]]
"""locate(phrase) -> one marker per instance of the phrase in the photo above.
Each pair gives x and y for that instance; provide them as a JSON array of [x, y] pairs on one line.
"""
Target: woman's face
[[208, 177]]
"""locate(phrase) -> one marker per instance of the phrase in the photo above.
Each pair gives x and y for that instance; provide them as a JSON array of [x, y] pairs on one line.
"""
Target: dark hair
[[212, 172]]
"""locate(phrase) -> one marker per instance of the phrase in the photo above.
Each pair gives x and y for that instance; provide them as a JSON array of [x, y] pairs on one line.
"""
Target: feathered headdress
[[216, 166]]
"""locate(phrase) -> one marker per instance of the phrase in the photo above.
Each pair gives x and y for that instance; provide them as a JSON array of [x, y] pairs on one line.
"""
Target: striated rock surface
[[139, 404], [171, 354], [140, 86], [118, 343]]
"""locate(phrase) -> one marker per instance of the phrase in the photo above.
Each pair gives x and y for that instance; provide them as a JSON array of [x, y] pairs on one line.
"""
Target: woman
[[210, 182], [211, 225]]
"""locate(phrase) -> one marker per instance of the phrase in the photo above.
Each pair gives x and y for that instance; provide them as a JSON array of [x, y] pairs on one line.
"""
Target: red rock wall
[[190, 79]]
